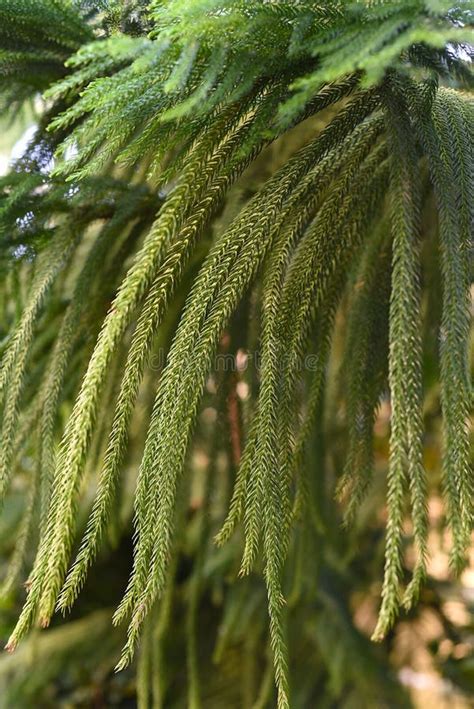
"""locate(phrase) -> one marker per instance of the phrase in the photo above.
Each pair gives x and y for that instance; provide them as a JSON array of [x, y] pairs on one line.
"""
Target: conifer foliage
[[128, 229]]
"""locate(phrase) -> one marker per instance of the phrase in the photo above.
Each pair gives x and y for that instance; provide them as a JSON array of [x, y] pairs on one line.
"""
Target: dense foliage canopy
[[240, 227]]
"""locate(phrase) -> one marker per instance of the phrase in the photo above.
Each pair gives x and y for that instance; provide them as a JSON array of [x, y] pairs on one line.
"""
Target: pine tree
[[208, 180]]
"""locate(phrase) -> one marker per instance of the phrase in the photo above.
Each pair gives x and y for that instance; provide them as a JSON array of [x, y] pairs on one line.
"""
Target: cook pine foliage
[[130, 228]]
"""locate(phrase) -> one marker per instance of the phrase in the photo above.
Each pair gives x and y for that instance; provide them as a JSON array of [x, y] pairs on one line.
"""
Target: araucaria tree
[[239, 228]]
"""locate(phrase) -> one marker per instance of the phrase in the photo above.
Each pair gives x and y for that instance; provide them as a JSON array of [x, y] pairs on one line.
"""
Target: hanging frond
[[405, 366]]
